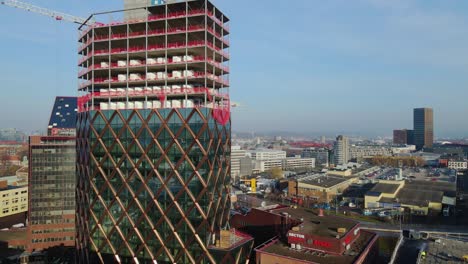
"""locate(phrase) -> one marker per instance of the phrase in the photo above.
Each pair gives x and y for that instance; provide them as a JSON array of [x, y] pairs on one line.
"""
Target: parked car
[[367, 212], [384, 214]]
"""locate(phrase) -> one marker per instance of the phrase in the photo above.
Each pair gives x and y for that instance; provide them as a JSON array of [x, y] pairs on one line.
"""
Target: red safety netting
[[143, 78], [173, 45], [171, 15], [222, 114], [143, 63]]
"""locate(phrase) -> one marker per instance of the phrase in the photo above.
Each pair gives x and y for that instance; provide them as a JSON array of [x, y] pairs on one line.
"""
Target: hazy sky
[[297, 65]]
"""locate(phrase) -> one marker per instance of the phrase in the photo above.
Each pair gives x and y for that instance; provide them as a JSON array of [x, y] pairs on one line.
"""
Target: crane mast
[[46, 12]]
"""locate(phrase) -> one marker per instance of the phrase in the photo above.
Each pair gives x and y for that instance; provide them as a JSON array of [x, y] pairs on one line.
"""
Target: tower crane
[[59, 16]]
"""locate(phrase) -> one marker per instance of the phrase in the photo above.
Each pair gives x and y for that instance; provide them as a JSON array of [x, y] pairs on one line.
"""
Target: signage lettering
[[324, 244], [296, 235]]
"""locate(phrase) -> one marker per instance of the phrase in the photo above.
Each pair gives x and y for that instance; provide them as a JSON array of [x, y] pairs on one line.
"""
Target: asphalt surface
[[409, 251], [447, 251]]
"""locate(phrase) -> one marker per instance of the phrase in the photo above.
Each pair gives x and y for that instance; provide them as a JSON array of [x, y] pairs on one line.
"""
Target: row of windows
[[56, 150], [57, 168], [48, 231], [14, 201], [51, 210], [53, 239], [41, 159], [53, 185], [43, 196], [16, 193], [13, 209], [37, 221]]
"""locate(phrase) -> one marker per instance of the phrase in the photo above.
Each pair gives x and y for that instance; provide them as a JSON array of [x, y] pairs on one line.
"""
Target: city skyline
[[343, 64], [344, 128]]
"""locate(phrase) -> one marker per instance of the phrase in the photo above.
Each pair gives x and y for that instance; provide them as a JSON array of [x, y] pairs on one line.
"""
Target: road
[[409, 251], [439, 229]]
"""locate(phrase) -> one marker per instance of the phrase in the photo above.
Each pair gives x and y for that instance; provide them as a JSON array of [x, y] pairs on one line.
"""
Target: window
[[5, 210]]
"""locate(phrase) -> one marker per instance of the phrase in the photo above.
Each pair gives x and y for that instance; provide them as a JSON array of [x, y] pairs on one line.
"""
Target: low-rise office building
[[321, 155], [13, 200], [13, 204], [403, 149], [267, 154], [236, 155], [342, 172], [297, 163], [265, 160], [304, 236], [319, 187], [361, 151], [458, 165]]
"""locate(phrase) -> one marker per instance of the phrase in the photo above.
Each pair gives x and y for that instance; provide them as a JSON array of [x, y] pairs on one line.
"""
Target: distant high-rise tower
[[400, 137], [52, 180], [423, 128], [154, 139], [341, 150], [323, 139], [410, 137]]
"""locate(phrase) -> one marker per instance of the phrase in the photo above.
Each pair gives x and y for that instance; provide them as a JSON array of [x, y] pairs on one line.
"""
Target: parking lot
[[416, 174], [430, 174]]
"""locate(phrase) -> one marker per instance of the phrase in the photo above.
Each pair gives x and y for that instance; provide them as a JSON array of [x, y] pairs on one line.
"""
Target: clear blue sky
[[299, 65]]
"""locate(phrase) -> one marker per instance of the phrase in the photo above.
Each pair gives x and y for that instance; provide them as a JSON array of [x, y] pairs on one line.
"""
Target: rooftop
[[431, 185], [64, 112], [254, 202], [420, 197], [11, 187], [325, 181], [13, 235], [325, 226], [265, 150], [447, 251], [350, 256], [358, 191], [385, 188]]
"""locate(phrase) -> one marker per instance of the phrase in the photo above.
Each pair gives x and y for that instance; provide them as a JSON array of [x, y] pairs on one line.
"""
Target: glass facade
[[423, 128], [52, 192], [152, 184]]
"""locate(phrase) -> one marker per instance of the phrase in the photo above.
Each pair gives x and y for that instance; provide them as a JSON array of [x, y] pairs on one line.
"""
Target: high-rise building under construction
[[154, 138]]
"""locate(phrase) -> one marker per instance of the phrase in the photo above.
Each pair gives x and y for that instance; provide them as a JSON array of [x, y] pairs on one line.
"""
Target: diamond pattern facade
[[156, 183]]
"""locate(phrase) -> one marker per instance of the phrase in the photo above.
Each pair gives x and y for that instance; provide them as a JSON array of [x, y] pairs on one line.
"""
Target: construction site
[[152, 135], [174, 56]]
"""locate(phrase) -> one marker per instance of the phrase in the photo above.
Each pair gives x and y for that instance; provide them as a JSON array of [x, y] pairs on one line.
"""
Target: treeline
[[397, 161]]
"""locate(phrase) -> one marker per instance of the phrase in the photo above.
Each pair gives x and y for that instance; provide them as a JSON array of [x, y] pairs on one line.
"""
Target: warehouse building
[[419, 197], [319, 187]]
